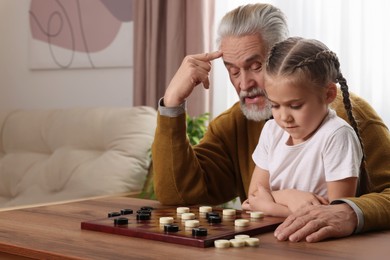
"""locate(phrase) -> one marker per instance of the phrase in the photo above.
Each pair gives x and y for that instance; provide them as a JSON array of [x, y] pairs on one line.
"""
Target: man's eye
[[274, 106], [257, 66], [234, 71]]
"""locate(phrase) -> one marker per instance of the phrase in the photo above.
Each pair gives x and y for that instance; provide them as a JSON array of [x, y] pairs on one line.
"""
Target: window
[[354, 29]]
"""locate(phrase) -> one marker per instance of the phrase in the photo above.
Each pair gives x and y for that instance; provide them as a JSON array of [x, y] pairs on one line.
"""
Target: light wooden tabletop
[[53, 232]]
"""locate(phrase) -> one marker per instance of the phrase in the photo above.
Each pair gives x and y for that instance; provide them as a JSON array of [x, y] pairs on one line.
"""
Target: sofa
[[52, 155]]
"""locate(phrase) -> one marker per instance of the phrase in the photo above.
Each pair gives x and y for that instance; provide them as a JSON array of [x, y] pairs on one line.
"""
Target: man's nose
[[247, 80]]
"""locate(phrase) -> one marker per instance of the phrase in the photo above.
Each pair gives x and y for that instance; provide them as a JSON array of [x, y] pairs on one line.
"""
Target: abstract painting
[[69, 34]]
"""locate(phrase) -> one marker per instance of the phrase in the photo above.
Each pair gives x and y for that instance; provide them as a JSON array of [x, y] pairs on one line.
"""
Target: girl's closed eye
[[296, 106]]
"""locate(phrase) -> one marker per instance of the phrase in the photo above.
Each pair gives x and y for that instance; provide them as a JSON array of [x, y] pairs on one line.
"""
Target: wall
[[21, 87]]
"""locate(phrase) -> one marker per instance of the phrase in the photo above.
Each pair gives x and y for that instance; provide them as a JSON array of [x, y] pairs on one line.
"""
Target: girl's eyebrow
[[286, 102]]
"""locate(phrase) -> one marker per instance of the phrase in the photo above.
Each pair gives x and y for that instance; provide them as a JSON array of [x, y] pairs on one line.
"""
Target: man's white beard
[[255, 113]]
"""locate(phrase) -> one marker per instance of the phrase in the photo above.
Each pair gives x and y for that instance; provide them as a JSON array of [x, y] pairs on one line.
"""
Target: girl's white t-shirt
[[332, 153]]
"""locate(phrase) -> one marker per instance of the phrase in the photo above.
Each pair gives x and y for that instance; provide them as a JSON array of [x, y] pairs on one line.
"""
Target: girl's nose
[[285, 115]]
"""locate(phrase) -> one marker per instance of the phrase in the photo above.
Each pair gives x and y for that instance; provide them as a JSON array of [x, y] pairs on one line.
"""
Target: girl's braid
[[327, 57], [364, 180], [323, 56]]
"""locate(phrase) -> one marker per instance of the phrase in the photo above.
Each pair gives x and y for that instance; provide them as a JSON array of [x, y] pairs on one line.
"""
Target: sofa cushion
[[61, 154]]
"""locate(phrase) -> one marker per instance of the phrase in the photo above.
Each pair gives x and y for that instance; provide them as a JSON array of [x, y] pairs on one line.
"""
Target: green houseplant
[[196, 128]]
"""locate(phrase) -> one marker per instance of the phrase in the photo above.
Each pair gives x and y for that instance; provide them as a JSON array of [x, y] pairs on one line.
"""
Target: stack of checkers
[[214, 217], [237, 241]]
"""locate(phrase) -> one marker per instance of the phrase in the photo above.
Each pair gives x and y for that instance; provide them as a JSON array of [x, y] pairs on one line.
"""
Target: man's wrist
[[357, 210], [171, 111]]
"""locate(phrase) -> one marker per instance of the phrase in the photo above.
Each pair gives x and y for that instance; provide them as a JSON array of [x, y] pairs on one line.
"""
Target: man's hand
[[193, 70], [318, 222]]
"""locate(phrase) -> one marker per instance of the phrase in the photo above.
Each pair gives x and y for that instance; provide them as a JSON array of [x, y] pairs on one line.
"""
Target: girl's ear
[[331, 92]]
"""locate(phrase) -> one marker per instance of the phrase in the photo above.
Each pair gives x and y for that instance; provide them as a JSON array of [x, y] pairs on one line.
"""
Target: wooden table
[[53, 232]]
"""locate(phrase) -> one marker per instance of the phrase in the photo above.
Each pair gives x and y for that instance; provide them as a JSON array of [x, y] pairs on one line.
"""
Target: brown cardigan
[[220, 167]]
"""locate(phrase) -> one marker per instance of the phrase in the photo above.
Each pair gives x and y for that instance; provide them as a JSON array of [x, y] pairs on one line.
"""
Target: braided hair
[[313, 60]]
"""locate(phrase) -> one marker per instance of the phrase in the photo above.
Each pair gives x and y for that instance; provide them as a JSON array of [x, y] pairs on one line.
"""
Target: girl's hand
[[245, 205], [262, 200], [296, 199]]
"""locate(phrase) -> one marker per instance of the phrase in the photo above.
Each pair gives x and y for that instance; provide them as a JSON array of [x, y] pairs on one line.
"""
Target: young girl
[[306, 154]]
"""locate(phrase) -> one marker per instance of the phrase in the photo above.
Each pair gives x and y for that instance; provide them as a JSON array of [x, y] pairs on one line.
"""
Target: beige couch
[[64, 154]]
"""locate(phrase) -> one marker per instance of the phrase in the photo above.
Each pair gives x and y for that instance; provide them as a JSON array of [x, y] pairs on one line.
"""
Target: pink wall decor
[[81, 34]]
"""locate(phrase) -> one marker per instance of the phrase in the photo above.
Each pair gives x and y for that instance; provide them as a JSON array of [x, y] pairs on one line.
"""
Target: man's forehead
[[242, 50], [244, 61]]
